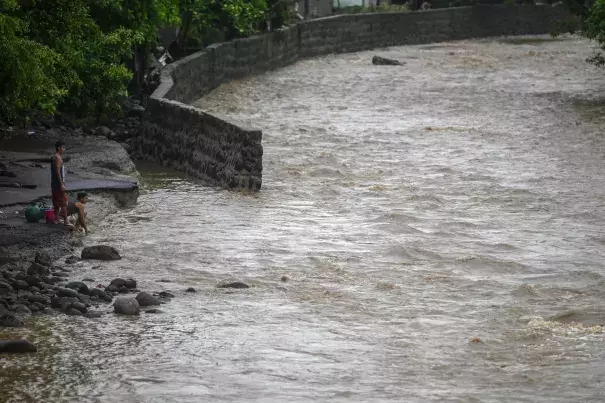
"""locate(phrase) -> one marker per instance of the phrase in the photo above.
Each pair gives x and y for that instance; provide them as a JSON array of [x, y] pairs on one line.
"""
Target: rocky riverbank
[[33, 281]]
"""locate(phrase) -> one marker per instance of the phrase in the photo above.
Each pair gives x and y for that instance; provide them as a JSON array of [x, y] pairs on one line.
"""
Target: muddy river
[[439, 227]]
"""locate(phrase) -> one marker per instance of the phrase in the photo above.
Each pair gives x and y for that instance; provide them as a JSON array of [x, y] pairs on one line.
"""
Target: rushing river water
[[440, 226]]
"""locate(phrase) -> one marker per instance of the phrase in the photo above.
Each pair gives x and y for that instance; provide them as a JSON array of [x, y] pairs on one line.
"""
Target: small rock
[[22, 310], [20, 285], [85, 299], [96, 292], [285, 279], [97, 267], [36, 269], [164, 280], [39, 306], [126, 147], [93, 314], [89, 280], [55, 279], [65, 303], [10, 320], [74, 312], [166, 294], [67, 292], [33, 280], [100, 252], [154, 310], [17, 346], [126, 306], [104, 131], [45, 280], [383, 61], [34, 289], [72, 260], [43, 258], [146, 299], [236, 284], [38, 298], [191, 289], [79, 286], [5, 288], [120, 282], [79, 306]]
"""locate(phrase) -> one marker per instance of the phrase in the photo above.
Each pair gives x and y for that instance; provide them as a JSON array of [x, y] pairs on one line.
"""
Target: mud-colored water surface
[[439, 227]]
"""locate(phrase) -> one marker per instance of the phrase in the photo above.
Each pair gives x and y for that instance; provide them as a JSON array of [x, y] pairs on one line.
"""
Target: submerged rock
[[166, 294], [146, 299], [126, 306], [383, 61], [236, 284], [154, 310], [100, 252], [191, 289], [17, 346]]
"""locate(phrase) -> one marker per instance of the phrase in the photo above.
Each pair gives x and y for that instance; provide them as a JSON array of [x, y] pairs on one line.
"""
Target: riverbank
[[32, 278]]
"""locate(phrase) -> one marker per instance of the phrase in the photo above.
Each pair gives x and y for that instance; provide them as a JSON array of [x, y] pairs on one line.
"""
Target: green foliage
[[71, 55], [589, 21]]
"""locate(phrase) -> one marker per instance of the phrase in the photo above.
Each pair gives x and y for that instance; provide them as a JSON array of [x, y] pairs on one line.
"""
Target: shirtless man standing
[[57, 184]]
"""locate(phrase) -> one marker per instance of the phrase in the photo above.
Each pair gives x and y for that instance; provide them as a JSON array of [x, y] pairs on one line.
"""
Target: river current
[[426, 233]]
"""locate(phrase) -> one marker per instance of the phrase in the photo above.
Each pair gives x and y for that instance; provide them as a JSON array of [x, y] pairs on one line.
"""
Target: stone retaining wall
[[225, 154]]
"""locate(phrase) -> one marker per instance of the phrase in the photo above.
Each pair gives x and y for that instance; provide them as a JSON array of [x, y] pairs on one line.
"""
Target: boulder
[[71, 260], [44, 259], [100, 252], [120, 282], [67, 292], [236, 284], [126, 306], [17, 346], [78, 286], [36, 269], [146, 299], [10, 320], [383, 61]]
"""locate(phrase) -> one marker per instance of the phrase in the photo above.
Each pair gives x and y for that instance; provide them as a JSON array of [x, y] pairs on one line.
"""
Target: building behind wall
[[314, 8]]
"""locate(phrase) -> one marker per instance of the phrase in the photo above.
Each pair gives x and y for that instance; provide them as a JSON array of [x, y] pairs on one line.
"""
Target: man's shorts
[[59, 198]]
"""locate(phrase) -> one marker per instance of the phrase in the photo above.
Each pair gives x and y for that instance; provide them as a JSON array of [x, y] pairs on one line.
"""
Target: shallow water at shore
[[440, 226]]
